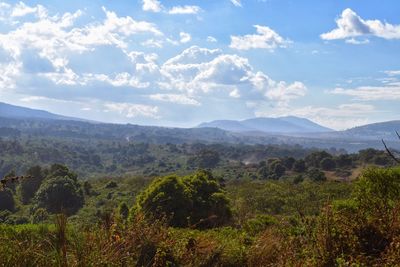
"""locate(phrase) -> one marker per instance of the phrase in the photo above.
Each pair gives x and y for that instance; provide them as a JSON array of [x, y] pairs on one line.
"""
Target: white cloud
[[211, 39], [357, 42], [236, 3], [175, 98], [194, 55], [350, 25], [156, 6], [152, 5], [9, 72], [265, 38], [55, 39], [21, 10], [392, 72], [153, 43], [198, 71], [120, 79], [185, 37], [129, 110], [389, 91], [184, 10]]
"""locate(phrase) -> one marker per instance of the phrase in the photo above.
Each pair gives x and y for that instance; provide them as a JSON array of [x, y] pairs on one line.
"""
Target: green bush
[[196, 200], [29, 187], [7, 200], [59, 195]]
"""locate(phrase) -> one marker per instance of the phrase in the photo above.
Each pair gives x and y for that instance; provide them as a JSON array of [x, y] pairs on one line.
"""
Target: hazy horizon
[[181, 63]]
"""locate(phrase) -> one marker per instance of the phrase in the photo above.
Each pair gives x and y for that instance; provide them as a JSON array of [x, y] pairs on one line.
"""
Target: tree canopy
[[197, 200]]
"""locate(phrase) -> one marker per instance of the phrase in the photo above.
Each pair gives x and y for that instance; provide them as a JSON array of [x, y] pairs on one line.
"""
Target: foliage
[[60, 194], [6, 200], [316, 175], [196, 200], [29, 187]]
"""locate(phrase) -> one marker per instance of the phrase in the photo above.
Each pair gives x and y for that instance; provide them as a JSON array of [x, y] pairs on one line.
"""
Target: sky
[[180, 63]]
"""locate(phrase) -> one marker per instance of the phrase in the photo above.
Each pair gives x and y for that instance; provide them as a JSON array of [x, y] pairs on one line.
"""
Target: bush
[[328, 164], [316, 175], [7, 200], [299, 166], [59, 195], [168, 197], [40, 215], [28, 187], [196, 200], [111, 185]]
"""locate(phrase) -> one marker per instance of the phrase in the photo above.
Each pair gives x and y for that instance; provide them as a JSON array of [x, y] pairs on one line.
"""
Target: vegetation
[[153, 205]]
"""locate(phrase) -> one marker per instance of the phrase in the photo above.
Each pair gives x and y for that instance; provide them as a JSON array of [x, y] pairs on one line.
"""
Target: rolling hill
[[285, 125], [17, 112]]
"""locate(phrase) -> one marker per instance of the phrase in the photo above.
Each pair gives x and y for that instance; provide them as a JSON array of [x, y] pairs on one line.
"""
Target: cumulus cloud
[[184, 10], [200, 71], [152, 5], [65, 57], [21, 9], [54, 39], [176, 99], [350, 25], [156, 6], [185, 37], [266, 38]]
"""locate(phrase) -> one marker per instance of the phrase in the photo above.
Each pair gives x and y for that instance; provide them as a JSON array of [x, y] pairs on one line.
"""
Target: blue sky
[[179, 63]]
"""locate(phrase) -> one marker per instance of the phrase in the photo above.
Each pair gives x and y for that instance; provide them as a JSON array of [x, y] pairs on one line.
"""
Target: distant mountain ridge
[[18, 112], [289, 124], [25, 122]]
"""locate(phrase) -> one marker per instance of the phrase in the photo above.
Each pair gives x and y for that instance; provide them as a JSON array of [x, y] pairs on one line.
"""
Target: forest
[[110, 203]]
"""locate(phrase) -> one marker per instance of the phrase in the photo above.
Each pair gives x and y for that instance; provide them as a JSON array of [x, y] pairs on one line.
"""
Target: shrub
[[316, 175], [60, 194], [40, 215], [28, 187], [168, 197], [328, 164], [7, 200], [196, 200]]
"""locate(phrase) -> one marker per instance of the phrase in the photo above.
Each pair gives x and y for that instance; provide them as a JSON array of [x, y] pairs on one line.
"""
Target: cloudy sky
[[179, 63]]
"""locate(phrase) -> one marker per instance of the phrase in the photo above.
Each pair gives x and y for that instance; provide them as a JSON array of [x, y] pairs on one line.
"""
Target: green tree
[[197, 200], [205, 159], [277, 169], [263, 172], [166, 197], [28, 187], [7, 200], [314, 159], [210, 207], [60, 194], [299, 166], [328, 164], [316, 175]]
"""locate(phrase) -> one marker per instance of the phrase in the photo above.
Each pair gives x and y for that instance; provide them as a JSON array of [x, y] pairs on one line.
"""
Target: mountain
[[285, 125], [380, 130], [17, 112]]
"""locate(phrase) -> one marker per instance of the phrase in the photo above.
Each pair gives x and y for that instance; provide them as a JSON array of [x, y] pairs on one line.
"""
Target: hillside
[[18, 112], [285, 125]]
